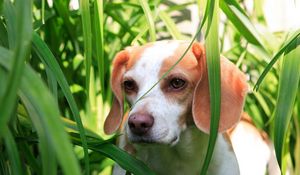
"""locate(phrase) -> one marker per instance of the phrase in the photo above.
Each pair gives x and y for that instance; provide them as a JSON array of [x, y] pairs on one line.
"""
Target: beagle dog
[[168, 127]]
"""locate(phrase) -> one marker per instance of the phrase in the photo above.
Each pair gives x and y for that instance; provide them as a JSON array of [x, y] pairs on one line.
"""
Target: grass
[[55, 69]]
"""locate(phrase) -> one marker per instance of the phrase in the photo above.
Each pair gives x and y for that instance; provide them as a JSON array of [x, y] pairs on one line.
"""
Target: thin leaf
[[149, 18], [287, 44], [87, 37], [99, 28], [3, 35], [30, 158], [288, 88], [125, 160], [13, 153], [46, 118], [49, 163], [171, 26], [21, 52], [297, 145], [241, 21], [1, 4], [9, 12], [48, 58], [106, 148], [213, 67], [4, 169], [43, 12]]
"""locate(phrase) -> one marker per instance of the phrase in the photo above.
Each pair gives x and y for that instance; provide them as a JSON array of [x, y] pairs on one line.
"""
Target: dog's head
[[180, 98]]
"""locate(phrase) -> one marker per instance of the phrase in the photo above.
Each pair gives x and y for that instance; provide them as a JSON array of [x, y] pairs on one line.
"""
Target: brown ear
[[233, 92], [114, 118]]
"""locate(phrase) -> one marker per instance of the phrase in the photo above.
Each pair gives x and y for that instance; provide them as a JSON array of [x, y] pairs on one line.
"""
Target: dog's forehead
[[149, 61]]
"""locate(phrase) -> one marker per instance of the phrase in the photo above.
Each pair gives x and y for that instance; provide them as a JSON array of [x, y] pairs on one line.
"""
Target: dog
[[168, 127]]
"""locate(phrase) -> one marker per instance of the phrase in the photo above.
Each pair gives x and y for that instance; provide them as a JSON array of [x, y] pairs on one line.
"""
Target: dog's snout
[[140, 124]]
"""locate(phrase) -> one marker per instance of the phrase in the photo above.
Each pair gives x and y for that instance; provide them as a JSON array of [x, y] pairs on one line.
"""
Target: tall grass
[[55, 68]]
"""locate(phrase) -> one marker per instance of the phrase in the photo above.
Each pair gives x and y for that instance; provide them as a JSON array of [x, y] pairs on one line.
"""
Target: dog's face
[[180, 97], [161, 114]]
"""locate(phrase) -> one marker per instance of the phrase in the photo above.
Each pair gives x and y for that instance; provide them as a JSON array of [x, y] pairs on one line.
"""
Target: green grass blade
[[87, 38], [210, 5], [213, 67], [10, 16], [29, 156], [288, 88], [52, 83], [48, 159], [99, 43], [4, 169], [124, 159], [276, 57], [106, 148], [171, 26], [12, 152], [43, 12], [37, 99], [48, 58], [3, 35], [182, 56], [21, 52], [149, 18], [241, 21], [1, 5], [297, 145]]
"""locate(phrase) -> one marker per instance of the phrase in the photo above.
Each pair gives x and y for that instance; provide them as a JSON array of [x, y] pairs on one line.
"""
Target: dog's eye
[[129, 85], [177, 83]]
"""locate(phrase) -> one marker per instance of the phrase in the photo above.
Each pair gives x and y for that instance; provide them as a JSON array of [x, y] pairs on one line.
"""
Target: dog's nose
[[140, 124]]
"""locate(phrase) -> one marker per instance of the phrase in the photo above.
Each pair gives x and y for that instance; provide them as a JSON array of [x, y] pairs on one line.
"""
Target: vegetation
[[55, 68]]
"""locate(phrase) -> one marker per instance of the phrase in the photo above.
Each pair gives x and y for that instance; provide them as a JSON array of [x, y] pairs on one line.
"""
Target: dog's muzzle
[[140, 124]]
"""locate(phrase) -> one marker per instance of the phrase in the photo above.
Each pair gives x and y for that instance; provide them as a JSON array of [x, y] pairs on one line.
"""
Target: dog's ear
[[114, 118], [233, 92]]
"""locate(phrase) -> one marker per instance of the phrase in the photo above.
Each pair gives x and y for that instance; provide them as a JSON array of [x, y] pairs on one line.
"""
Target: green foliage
[[55, 66]]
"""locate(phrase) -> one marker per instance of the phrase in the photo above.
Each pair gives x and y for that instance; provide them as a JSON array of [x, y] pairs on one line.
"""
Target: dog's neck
[[188, 155]]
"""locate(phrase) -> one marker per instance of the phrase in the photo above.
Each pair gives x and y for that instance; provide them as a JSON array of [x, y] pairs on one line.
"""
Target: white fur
[[252, 150]]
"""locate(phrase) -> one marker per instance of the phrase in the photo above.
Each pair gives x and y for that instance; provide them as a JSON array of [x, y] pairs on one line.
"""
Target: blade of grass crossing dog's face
[[293, 37], [149, 19], [288, 87], [179, 59], [213, 66], [21, 52], [46, 119], [99, 29], [46, 56]]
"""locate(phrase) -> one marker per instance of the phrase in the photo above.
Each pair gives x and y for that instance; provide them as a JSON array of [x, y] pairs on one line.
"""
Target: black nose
[[140, 124]]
